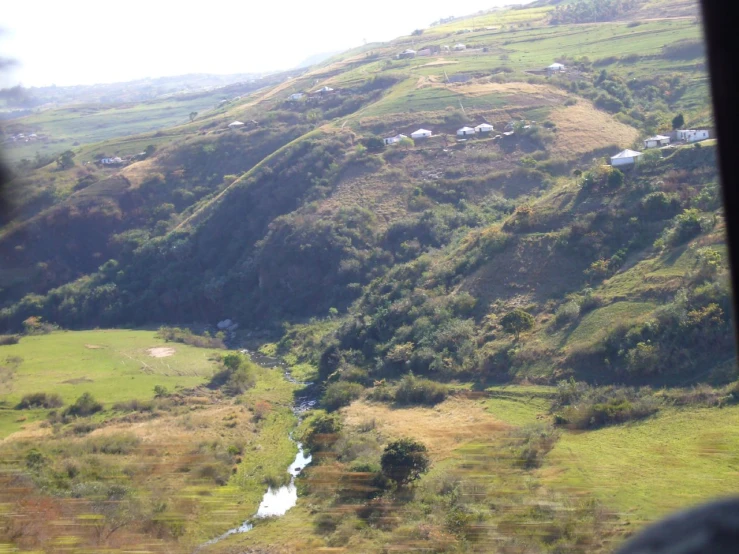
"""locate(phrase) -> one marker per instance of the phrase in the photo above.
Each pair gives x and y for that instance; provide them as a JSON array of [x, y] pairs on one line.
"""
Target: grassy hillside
[[555, 331]]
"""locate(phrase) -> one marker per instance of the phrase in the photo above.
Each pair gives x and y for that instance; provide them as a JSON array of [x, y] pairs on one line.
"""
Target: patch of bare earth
[[583, 128], [385, 197], [443, 428], [528, 270], [161, 352]]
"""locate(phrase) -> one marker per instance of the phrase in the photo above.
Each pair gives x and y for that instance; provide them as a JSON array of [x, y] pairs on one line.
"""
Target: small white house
[[445, 48], [484, 128], [691, 135], [627, 157], [556, 68], [421, 134], [464, 131], [111, 161], [235, 125], [407, 54], [424, 52], [656, 141], [393, 140], [295, 97], [459, 47], [325, 89]]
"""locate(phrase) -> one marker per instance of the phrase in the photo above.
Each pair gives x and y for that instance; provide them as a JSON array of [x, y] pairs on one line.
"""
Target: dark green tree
[[678, 121], [404, 461], [193, 115], [65, 160], [615, 179], [149, 150], [85, 405], [516, 322], [374, 144]]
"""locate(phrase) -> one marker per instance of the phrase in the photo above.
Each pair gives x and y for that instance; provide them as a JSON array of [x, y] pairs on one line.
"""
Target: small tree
[[516, 322], [407, 142], [85, 405], [193, 115], [160, 391], [678, 121], [65, 160], [404, 461], [577, 174], [374, 144], [149, 150], [615, 179]]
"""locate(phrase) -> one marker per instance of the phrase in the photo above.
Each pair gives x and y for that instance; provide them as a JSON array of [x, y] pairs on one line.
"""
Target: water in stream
[[276, 502]]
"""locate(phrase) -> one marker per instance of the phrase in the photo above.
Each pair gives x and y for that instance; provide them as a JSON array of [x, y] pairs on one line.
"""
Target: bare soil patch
[[93, 347], [161, 352]]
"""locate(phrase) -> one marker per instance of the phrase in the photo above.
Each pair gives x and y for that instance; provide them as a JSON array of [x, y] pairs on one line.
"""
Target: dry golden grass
[[443, 428], [542, 92], [582, 128], [439, 62], [138, 172]]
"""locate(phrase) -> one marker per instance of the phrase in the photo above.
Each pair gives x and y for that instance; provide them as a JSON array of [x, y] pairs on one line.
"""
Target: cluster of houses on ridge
[[686, 136], [481, 129], [430, 50], [117, 160], [320, 93], [22, 137]]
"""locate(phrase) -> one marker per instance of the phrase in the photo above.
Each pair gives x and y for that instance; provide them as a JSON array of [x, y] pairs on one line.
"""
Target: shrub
[[118, 444], [40, 400], [186, 336], [84, 406], [237, 376], [9, 339], [415, 390], [687, 226], [404, 461], [322, 431], [660, 205], [135, 406], [261, 410], [567, 313], [591, 408], [516, 322], [338, 395], [83, 427], [530, 444]]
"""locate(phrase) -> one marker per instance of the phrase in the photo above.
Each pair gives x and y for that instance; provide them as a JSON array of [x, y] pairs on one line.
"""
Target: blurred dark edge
[[721, 23], [712, 528]]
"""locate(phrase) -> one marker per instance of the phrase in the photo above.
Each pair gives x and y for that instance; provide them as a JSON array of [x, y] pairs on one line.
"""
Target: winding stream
[[276, 502]]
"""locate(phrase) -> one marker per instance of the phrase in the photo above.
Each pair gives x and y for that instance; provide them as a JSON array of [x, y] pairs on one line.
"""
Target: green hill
[[511, 300]]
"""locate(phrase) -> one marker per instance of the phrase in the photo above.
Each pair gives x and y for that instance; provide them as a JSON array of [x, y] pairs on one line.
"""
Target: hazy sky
[[68, 42]]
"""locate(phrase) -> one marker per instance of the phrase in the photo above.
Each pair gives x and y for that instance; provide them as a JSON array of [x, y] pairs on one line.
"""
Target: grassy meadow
[[210, 456], [68, 127]]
